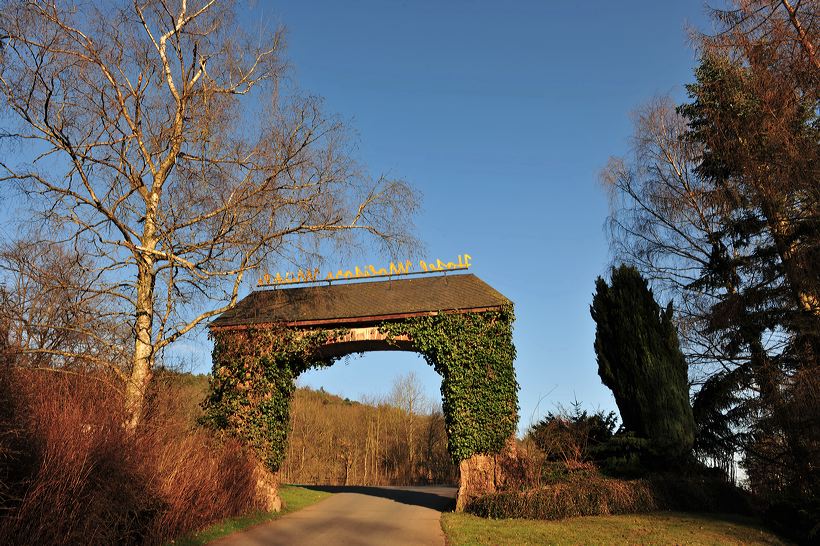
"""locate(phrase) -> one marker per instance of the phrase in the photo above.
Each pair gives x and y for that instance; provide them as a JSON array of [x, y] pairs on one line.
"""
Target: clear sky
[[501, 114]]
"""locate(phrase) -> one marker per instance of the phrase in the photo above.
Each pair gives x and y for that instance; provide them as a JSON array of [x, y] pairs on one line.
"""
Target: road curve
[[358, 516]]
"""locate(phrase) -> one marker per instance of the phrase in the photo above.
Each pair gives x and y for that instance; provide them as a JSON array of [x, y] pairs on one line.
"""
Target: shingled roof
[[363, 301]]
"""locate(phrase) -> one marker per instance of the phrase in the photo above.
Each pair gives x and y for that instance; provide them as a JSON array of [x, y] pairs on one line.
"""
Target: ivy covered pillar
[[252, 382], [474, 354]]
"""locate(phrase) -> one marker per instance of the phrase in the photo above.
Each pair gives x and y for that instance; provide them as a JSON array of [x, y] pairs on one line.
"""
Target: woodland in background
[[394, 441]]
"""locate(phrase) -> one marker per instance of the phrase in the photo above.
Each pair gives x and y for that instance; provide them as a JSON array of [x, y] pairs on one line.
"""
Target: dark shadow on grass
[[439, 498]]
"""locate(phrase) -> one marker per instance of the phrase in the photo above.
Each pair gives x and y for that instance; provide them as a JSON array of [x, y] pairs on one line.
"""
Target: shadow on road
[[438, 498]]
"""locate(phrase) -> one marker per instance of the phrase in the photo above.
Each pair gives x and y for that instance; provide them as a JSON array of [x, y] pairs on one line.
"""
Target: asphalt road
[[358, 516]]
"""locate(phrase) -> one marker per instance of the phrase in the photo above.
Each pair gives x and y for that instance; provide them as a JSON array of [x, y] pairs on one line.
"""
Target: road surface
[[358, 516]]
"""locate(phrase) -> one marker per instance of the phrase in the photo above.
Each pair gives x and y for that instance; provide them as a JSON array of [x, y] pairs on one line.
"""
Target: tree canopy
[[719, 206]]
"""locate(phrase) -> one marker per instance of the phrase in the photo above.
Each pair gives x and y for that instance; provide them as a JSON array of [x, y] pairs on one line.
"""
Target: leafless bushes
[[591, 496], [71, 474]]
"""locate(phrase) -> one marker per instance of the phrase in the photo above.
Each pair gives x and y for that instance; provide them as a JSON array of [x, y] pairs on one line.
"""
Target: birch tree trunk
[[143, 359]]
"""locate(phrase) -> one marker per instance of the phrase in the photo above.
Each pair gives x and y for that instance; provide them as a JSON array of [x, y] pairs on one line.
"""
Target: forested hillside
[[336, 441]]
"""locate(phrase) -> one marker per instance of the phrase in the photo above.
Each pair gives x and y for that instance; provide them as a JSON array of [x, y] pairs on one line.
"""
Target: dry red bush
[[70, 474]]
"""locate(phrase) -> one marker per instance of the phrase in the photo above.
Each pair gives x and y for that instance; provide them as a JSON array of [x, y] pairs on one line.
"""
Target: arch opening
[[371, 420]]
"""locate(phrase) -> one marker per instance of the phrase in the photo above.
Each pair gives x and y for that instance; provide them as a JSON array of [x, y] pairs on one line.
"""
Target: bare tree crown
[[170, 143], [163, 135]]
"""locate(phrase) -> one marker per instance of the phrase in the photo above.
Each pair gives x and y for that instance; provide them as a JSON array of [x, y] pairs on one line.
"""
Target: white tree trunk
[[143, 360]]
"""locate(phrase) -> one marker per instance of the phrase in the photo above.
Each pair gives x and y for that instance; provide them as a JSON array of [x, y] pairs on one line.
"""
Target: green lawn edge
[[651, 528], [293, 498]]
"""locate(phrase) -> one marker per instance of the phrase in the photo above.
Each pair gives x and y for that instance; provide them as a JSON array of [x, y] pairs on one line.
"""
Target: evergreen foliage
[[765, 256], [253, 381], [474, 354], [754, 110], [639, 359], [574, 435]]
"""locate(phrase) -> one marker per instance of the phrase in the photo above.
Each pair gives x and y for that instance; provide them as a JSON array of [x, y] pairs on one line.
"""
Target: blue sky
[[502, 115]]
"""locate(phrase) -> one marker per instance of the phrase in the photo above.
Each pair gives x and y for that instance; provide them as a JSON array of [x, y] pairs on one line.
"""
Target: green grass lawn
[[294, 498], [655, 528]]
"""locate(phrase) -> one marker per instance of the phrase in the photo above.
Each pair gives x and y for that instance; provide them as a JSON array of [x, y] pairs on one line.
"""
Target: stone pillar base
[[267, 489], [482, 474]]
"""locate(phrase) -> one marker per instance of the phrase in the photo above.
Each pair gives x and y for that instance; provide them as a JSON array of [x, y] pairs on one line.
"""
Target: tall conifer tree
[[640, 360]]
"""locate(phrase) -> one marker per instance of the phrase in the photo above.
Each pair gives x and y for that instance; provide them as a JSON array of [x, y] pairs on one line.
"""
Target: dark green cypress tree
[[640, 360]]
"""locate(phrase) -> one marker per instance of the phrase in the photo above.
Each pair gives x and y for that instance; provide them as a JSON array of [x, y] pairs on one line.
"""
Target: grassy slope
[[294, 498], [655, 528]]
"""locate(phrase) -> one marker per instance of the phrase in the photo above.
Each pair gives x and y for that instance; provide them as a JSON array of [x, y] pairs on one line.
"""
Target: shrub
[[700, 493], [639, 359], [591, 494], [578, 497], [71, 475], [573, 436], [795, 518]]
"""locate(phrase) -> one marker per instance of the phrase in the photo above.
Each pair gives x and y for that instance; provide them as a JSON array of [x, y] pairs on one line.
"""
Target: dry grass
[[71, 475]]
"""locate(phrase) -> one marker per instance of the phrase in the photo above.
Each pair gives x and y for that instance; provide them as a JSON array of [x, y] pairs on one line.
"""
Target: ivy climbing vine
[[255, 369], [252, 383], [474, 354]]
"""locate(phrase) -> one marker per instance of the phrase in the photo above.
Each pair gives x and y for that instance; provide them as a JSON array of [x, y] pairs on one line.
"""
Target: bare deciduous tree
[[165, 140], [666, 221], [407, 394], [56, 317]]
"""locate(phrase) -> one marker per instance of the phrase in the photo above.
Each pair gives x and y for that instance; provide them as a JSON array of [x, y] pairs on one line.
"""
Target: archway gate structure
[[458, 323]]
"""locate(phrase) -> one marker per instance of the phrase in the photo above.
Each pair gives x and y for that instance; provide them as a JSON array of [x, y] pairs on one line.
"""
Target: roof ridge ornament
[[368, 271]]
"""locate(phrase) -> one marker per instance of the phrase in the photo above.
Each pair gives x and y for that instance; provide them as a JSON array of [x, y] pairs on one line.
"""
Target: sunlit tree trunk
[[143, 359]]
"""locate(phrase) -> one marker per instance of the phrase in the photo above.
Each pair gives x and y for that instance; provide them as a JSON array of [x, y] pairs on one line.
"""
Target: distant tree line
[[397, 440]]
